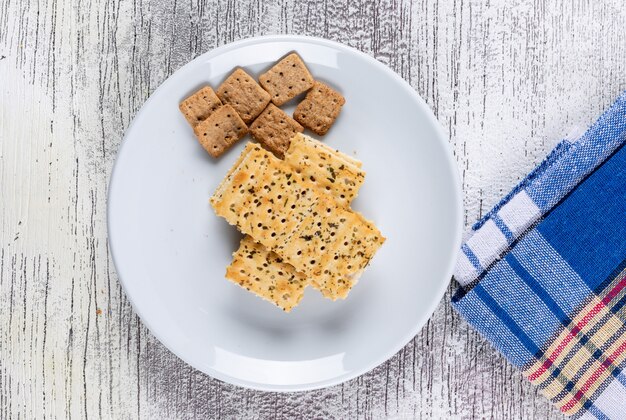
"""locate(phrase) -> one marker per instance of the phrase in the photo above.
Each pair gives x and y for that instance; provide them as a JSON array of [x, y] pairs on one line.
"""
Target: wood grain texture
[[506, 80]]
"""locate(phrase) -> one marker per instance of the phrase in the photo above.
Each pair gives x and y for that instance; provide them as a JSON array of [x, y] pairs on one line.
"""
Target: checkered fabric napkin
[[543, 274]]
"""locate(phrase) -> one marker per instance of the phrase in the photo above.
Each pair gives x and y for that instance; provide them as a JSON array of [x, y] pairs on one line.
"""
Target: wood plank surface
[[506, 79]]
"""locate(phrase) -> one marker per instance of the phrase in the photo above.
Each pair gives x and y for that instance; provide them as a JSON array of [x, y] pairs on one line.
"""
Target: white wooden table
[[505, 78]]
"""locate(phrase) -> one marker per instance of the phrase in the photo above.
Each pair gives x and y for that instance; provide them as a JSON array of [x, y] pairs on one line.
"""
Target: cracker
[[333, 172], [319, 109], [199, 106], [264, 273], [361, 241], [244, 94], [286, 79], [300, 142], [291, 217], [222, 185], [317, 152], [274, 129], [220, 131], [332, 247], [310, 142]]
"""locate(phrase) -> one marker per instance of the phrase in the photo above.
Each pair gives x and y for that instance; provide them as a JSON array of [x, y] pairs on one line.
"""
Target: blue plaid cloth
[[543, 275]]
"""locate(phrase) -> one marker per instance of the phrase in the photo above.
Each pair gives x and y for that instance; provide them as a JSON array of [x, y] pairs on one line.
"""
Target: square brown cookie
[[286, 79], [274, 129], [319, 109], [200, 105], [221, 130], [244, 94]]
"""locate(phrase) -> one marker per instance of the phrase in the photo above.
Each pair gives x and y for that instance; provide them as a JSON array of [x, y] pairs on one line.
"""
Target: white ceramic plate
[[171, 250]]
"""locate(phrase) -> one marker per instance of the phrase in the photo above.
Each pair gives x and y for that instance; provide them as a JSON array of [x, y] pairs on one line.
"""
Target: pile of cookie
[[241, 105], [300, 230], [292, 205]]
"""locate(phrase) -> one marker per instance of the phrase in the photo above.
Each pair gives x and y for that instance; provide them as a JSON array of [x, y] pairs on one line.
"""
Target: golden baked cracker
[[331, 170], [197, 107], [305, 144], [272, 220], [244, 94], [254, 187], [317, 152], [340, 242], [220, 130], [286, 79], [231, 195], [272, 210], [315, 237], [263, 272], [361, 241], [315, 215], [304, 141], [247, 148], [319, 109], [274, 129]]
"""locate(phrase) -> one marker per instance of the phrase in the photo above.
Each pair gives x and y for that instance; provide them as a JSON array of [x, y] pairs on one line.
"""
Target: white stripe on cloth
[[612, 402], [519, 213], [464, 272], [487, 243]]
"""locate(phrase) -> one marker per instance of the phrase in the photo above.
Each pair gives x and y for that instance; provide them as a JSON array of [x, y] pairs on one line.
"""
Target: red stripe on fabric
[[570, 336], [618, 288], [577, 328], [552, 356], [594, 377]]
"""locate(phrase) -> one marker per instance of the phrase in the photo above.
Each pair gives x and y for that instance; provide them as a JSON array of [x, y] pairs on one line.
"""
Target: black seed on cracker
[[297, 242], [274, 129], [280, 277], [221, 130], [287, 79], [319, 109], [244, 94], [200, 105]]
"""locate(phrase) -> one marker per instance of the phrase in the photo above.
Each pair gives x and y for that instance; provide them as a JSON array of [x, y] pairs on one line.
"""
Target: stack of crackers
[[291, 197], [296, 216], [241, 105]]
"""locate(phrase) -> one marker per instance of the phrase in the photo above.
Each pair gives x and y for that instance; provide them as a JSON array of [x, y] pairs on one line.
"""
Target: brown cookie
[[319, 109], [287, 79], [200, 105], [274, 129], [221, 130], [244, 94]]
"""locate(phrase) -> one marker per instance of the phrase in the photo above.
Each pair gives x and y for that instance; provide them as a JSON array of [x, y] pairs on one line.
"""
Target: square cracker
[[244, 94], [332, 247], [264, 273], [319, 109], [335, 173], [220, 131], [315, 221], [361, 241], [347, 170], [274, 129], [199, 106], [317, 146], [287, 79]]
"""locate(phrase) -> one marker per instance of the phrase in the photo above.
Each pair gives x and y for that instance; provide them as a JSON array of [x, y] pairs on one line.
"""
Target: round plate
[[171, 250]]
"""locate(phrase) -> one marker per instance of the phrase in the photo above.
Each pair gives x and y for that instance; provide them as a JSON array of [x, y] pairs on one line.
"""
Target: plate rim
[[458, 197]]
